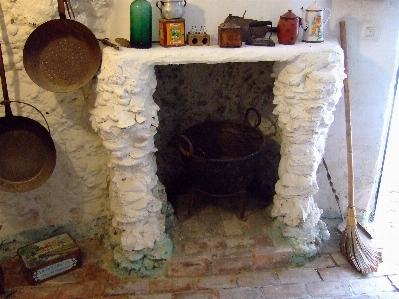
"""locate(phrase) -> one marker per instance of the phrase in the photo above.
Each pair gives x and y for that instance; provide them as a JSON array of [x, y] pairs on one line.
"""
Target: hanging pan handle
[[190, 151], [4, 85], [6, 98], [5, 103], [61, 9], [259, 117]]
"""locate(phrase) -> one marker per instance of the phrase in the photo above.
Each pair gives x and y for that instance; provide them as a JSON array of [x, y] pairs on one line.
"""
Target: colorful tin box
[[49, 258], [171, 32]]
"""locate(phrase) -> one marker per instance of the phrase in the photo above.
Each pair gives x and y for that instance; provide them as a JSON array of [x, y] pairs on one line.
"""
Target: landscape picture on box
[[47, 250], [176, 33]]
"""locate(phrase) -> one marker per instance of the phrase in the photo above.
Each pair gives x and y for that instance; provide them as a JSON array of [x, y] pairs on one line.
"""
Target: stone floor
[[219, 256]]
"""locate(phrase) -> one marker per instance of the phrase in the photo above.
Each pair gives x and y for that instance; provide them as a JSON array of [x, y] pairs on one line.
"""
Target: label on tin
[[55, 269]]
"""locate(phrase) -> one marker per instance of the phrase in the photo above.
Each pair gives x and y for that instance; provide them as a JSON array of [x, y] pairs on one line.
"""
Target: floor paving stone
[[152, 296], [322, 261], [232, 263], [329, 289], [232, 226], [240, 293], [127, 286], [258, 279], [339, 259], [171, 285], [216, 282], [36, 293], [338, 273], [197, 295], [388, 295], [80, 291], [189, 266], [299, 275], [285, 291], [371, 285]]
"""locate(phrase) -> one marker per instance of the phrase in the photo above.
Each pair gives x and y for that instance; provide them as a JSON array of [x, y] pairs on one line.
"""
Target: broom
[[363, 258]]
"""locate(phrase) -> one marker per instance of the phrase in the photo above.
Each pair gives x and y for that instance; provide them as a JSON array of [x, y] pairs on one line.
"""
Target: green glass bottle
[[140, 24]]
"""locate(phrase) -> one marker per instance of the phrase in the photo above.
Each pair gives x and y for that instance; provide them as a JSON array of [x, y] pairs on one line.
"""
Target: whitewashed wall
[[372, 75], [77, 192], [210, 13]]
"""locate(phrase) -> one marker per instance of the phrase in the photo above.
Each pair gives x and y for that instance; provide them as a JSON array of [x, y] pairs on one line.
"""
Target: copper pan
[[27, 151], [61, 55]]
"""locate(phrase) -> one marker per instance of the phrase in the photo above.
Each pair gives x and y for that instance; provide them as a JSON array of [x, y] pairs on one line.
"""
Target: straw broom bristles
[[363, 258]]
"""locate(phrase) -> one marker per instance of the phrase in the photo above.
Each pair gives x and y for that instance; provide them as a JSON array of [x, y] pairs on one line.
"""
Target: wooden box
[[198, 39], [229, 35], [49, 258], [171, 32]]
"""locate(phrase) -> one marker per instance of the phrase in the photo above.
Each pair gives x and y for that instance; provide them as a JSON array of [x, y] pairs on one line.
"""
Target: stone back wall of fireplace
[[193, 93]]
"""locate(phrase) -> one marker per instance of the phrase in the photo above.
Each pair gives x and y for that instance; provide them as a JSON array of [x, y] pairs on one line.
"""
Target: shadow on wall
[[367, 102], [74, 197]]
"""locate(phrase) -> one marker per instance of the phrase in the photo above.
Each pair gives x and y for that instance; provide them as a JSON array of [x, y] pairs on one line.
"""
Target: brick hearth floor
[[219, 256]]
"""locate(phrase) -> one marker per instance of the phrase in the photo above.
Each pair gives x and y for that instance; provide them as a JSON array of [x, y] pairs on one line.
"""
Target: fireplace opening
[[195, 93]]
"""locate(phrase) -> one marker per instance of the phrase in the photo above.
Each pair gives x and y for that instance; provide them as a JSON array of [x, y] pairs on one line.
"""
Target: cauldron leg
[[191, 202], [2, 288], [242, 207]]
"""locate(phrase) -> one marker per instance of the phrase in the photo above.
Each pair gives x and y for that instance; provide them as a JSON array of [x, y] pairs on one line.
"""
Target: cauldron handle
[[190, 146], [258, 121]]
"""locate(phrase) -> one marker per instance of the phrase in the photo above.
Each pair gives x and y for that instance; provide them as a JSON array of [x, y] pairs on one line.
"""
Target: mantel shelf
[[158, 55]]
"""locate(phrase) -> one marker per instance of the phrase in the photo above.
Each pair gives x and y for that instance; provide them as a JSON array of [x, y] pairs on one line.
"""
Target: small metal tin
[[172, 32], [49, 258], [229, 35]]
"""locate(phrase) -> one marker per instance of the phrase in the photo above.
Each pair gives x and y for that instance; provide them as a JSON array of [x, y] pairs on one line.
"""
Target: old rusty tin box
[[49, 258], [171, 32], [229, 35]]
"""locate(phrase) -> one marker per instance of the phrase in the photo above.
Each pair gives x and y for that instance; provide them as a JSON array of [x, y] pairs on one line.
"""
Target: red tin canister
[[288, 28]]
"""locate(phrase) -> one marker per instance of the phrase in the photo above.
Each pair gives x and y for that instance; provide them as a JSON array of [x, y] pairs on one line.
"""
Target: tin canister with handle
[[313, 22]]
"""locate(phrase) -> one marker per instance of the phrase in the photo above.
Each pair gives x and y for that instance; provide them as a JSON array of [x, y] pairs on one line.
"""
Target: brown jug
[[288, 28]]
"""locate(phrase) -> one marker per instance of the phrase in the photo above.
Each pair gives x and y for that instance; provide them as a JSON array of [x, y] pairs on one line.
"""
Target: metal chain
[[332, 188]]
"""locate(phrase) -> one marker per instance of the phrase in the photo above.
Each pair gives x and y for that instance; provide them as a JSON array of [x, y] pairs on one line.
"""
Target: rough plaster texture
[[307, 87], [306, 92], [77, 191]]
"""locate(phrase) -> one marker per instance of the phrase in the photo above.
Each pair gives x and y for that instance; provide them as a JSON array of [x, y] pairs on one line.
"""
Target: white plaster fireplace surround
[[309, 79]]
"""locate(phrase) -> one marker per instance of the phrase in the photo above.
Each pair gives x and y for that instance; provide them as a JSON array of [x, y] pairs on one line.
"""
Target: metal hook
[[69, 8]]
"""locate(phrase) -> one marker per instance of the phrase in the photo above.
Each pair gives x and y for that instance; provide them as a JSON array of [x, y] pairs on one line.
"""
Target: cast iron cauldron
[[220, 158]]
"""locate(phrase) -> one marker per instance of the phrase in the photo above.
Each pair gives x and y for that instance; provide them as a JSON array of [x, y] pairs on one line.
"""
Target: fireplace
[[307, 86]]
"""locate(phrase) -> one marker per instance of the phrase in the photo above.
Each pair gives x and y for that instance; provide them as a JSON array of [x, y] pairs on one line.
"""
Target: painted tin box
[[49, 258], [172, 32]]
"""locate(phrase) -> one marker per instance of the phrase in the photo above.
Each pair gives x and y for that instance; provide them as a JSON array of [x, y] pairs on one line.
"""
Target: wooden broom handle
[[351, 192]]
